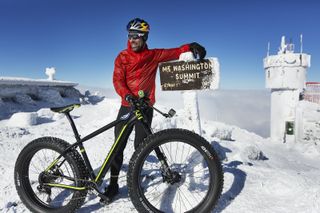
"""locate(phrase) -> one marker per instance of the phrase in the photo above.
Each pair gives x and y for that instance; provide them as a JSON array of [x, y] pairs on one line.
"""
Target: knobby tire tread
[[74, 158], [157, 138]]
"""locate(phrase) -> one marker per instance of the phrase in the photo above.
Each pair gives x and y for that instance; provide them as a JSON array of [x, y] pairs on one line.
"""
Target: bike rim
[[59, 197], [186, 195]]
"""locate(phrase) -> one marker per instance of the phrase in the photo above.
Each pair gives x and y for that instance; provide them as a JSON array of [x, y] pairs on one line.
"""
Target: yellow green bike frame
[[96, 179]]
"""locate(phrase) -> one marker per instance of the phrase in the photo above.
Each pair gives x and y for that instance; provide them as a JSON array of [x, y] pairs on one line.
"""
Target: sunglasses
[[135, 35]]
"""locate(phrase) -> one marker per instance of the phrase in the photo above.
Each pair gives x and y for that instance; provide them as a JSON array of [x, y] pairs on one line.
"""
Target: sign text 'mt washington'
[[182, 75]]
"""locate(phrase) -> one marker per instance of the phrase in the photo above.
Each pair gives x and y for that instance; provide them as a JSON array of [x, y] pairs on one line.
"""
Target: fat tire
[[159, 138], [23, 188]]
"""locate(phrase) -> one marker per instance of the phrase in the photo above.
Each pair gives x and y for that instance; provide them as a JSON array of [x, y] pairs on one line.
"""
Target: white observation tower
[[286, 77]]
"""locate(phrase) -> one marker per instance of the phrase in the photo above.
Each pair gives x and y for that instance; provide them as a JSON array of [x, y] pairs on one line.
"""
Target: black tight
[[139, 136]]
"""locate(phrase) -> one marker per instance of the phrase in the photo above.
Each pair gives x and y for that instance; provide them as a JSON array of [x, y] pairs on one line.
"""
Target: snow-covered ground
[[260, 175]]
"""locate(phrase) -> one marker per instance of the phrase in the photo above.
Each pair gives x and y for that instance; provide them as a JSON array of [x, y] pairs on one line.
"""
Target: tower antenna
[[301, 43]]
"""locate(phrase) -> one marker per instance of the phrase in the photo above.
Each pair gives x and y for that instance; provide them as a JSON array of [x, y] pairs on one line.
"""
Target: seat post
[[74, 129]]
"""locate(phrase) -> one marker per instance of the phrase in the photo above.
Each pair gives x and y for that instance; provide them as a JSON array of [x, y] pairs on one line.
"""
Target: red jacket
[[137, 71]]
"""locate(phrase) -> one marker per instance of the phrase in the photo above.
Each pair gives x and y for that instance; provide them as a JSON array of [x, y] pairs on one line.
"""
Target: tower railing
[[312, 92]]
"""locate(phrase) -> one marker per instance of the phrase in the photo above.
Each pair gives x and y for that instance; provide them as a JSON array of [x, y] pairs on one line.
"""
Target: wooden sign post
[[189, 75]]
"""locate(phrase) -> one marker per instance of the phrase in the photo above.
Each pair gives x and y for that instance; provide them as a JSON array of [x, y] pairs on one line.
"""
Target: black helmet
[[138, 25]]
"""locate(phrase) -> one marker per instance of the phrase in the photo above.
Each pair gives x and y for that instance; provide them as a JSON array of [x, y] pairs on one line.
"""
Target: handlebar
[[143, 102]]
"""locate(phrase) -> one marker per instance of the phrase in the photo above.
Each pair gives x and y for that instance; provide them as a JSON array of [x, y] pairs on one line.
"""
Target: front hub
[[173, 178]]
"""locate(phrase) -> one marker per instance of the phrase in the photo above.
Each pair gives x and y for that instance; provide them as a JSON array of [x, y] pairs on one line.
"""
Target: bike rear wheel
[[196, 181], [31, 179]]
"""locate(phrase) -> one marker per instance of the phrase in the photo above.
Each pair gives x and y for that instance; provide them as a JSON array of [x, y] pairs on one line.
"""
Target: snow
[[308, 117], [39, 82], [50, 72], [191, 107], [190, 100], [23, 119], [260, 175]]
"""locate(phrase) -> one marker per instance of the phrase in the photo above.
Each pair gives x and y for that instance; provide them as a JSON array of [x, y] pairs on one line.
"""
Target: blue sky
[[82, 38]]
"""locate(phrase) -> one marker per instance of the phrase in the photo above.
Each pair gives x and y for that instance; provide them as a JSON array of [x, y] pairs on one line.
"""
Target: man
[[135, 69]]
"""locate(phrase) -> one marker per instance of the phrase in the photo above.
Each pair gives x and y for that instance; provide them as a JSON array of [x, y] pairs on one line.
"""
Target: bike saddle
[[65, 109]]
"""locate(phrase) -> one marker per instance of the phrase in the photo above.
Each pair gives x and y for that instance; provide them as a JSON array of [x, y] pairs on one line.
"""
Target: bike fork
[[163, 160], [161, 157]]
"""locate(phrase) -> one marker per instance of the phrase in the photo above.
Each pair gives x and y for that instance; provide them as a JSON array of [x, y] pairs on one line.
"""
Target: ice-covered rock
[[223, 134], [11, 204], [13, 132], [70, 92], [46, 115], [24, 99], [30, 95], [252, 153], [89, 98], [23, 119], [51, 95], [46, 112]]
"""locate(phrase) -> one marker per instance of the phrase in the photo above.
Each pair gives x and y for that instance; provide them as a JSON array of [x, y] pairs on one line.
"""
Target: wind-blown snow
[[260, 175], [39, 82], [23, 119]]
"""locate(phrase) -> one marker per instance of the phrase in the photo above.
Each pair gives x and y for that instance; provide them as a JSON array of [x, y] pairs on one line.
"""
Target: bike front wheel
[[196, 179]]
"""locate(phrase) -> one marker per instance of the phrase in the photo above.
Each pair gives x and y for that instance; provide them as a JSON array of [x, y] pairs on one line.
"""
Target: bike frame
[[129, 119]]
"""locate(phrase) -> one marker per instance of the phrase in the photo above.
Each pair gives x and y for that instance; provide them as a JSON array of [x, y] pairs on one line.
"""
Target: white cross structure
[[50, 71]]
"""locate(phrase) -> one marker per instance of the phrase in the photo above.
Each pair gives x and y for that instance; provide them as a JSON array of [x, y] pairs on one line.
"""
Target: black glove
[[129, 98], [197, 49]]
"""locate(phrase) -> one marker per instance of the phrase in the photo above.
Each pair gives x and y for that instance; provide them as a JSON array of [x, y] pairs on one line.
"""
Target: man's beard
[[136, 46]]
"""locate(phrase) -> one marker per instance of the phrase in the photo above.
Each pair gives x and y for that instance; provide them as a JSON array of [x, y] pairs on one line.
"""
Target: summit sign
[[189, 75]]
